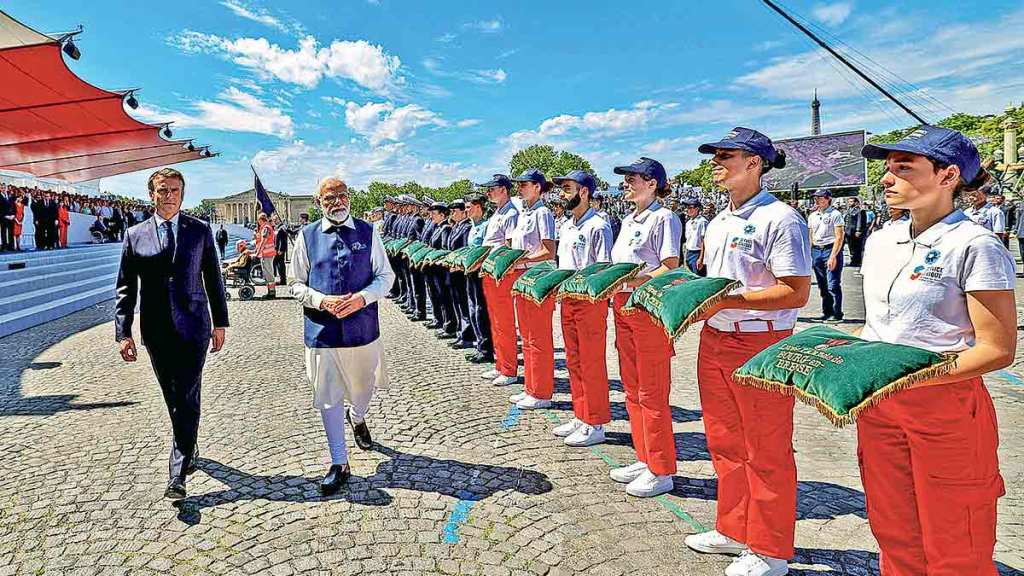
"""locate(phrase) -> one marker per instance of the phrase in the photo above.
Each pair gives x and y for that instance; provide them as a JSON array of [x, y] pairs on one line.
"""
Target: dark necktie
[[169, 237]]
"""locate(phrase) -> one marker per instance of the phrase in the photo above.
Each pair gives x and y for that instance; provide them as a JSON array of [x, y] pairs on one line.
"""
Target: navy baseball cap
[[752, 141], [690, 202], [940, 144], [580, 177], [498, 180], [647, 167], [532, 175], [439, 206], [822, 193], [457, 205]]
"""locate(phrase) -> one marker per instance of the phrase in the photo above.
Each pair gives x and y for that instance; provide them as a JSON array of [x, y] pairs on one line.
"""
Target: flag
[[266, 205]]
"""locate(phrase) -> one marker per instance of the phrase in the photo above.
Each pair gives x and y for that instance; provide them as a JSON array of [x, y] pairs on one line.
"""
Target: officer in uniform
[[416, 302], [458, 238], [437, 279]]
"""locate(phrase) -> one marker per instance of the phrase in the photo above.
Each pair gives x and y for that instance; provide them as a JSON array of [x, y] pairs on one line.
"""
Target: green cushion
[[677, 298], [412, 247], [432, 257], [451, 258], [540, 282], [393, 246], [474, 258], [500, 261], [598, 281], [839, 374], [417, 258]]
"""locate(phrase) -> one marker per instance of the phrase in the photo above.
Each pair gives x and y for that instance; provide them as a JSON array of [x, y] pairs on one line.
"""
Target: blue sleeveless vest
[[339, 263]]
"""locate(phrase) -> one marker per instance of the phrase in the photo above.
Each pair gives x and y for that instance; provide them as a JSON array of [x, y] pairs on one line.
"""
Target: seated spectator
[[242, 261], [98, 230]]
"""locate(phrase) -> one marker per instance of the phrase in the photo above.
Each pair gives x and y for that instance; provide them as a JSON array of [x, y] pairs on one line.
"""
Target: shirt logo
[[357, 246], [740, 243], [636, 240], [579, 243], [932, 257], [749, 229], [927, 273]]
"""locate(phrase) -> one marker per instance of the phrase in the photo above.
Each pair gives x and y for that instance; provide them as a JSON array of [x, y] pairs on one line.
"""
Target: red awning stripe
[[126, 167], [77, 145], [82, 161]]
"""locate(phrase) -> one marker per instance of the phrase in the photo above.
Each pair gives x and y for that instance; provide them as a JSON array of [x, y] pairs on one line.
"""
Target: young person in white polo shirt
[[650, 235], [498, 297], [827, 234], [586, 239], [534, 233], [941, 282], [763, 243], [696, 226]]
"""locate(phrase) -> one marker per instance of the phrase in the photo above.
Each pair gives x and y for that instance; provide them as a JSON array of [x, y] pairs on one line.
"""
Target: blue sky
[[435, 91]]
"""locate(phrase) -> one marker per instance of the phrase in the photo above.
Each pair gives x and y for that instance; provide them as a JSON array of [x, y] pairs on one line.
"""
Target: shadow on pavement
[[619, 412], [814, 500], [408, 471], [853, 563]]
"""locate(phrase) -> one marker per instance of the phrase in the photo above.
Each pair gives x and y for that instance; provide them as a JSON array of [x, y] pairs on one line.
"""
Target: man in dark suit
[[222, 241], [7, 210], [856, 230], [172, 257], [457, 280], [281, 247]]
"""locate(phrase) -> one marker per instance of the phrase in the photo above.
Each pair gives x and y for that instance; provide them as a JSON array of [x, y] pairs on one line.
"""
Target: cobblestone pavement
[[459, 483]]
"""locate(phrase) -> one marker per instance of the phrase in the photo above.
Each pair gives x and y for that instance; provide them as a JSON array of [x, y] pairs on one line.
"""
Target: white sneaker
[[564, 430], [517, 397], [627, 474], [502, 380], [490, 374], [714, 542], [751, 564], [531, 403], [648, 485], [585, 435]]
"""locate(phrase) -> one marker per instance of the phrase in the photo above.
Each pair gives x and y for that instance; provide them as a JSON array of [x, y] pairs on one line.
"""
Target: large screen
[[826, 161]]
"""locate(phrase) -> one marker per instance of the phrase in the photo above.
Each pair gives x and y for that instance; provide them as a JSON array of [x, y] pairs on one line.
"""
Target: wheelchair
[[240, 278]]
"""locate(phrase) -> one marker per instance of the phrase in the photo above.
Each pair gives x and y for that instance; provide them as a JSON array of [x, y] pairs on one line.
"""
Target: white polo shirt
[[915, 288], [756, 243], [695, 229], [823, 227], [500, 225], [988, 217], [649, 237], [585, 242], [535, 225]]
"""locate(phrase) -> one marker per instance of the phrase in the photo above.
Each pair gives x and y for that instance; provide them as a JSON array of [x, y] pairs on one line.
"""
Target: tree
[[699, 176], [551, 162]]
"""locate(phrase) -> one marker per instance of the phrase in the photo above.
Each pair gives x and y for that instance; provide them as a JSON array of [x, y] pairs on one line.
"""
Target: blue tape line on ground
[[1010, 377], [460, 513], [512, 418]]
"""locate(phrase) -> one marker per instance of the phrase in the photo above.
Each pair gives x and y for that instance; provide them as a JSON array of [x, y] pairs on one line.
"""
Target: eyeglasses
[[333, 198]]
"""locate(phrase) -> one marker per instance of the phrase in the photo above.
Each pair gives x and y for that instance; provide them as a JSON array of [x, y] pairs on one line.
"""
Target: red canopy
[[56, 125]]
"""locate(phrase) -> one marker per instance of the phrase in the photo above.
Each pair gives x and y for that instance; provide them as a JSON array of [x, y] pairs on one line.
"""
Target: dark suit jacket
[[177, 294]]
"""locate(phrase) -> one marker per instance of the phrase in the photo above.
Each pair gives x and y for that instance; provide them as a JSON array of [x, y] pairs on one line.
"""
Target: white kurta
[[352, 373]]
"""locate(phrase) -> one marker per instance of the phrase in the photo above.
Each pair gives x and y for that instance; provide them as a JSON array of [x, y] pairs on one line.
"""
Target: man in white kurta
[[338, 367]]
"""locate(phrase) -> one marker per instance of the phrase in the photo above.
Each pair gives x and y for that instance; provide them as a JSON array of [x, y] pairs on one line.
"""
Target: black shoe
[[460, 345], [824, 317], [418, 317], [433, 325], [360, 432], [335, 477], [270, 296], [838, 319], [443, 335], [175, 490]]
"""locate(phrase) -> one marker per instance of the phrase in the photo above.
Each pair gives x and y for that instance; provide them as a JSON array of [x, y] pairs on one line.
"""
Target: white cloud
[[446, 38], [496, 76], [299, 165], [380, 121], [468, 122], [256, 15], [611, 121], [366, 64], [492, 26], [832, 14], [233, 111]]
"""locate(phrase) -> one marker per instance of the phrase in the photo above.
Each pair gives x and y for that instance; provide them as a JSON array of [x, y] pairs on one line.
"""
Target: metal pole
[[842, 59]]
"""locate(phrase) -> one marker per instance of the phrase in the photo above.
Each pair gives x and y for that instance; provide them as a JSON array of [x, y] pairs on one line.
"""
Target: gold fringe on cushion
[[605, 294], [841, 420], [708, 304]]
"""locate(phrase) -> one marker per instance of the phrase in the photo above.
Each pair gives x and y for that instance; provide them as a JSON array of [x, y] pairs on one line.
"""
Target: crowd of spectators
[[51, 216]]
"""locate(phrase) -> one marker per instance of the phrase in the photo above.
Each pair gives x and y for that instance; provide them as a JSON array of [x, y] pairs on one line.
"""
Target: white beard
[[338, 216]]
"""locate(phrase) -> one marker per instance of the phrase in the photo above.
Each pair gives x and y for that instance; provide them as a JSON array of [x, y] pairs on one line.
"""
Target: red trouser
[[931, 478], [645, 355], [503, 321], [750, 439], [585, 329], [538, 346]]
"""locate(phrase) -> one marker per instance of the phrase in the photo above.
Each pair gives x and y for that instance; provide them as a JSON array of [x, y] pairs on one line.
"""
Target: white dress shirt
[[585, 242], [823, 226], [501, 224], [161, 231]]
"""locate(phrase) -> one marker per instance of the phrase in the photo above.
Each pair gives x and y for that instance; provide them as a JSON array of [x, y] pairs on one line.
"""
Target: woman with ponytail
[[941, 282], [763, 243], [650, 235]]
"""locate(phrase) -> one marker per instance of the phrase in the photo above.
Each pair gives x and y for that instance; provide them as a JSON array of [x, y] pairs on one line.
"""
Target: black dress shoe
[[433, 325], [360, 432], [175, 490], [420, 317], [335, 477], [459, 345], [447, 335]]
